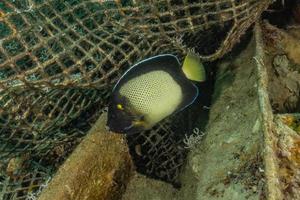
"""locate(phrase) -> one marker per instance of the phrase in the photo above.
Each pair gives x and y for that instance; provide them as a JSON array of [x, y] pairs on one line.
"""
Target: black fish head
[[122, 118]]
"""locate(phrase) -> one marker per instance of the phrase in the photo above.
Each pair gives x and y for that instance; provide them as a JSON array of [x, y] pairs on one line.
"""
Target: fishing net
[[59, 60]]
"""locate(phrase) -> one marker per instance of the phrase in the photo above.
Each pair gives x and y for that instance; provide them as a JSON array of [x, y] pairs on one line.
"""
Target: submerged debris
[[284, 71]]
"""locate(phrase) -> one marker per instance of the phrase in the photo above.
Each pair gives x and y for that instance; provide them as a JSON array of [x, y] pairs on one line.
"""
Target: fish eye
[[120, 107]]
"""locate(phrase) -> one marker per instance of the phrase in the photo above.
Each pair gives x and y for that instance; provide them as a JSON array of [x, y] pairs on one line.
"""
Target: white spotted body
[[155, 93]]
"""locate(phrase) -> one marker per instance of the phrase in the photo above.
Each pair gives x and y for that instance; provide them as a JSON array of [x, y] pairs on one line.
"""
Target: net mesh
[[59, 60]]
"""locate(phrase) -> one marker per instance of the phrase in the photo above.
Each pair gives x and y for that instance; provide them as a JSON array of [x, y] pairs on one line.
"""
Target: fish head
[[122, 117]]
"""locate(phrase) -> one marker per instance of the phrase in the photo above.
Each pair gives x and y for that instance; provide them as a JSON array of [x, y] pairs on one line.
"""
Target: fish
[[152, 90]]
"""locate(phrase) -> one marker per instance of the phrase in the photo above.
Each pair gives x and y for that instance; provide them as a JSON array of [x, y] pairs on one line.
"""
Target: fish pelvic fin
[[193, 68]]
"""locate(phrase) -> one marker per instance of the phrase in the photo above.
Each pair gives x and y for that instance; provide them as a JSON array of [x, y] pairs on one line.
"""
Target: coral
[[192, 140]]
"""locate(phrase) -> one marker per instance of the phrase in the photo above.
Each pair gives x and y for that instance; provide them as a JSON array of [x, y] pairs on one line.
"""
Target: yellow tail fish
[[151, 90]]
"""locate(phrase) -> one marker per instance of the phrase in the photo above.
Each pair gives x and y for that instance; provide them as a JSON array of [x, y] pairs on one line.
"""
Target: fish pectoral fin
[[193, 68], [139, 123]]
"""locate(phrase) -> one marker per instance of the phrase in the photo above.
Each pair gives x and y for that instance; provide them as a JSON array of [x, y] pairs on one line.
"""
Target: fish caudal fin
[[193, 68]]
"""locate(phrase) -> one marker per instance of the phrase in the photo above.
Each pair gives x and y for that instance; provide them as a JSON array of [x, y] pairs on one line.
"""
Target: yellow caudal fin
[[193, 68]]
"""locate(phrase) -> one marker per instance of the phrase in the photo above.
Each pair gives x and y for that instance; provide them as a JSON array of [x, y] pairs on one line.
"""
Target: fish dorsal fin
[[165, 62], [193, 68]]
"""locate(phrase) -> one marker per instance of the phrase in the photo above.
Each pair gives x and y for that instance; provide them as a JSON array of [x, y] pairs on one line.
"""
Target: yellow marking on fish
[[120, 107], [193, 68], [139, 123]]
